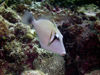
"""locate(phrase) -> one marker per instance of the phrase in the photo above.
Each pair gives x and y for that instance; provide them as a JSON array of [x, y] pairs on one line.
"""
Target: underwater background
[[77, 20]]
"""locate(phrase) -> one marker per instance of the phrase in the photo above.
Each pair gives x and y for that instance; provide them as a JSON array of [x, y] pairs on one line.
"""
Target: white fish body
[[49, 36]]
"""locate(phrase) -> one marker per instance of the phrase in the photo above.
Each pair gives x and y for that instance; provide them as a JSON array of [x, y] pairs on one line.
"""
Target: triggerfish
[[50, 37]]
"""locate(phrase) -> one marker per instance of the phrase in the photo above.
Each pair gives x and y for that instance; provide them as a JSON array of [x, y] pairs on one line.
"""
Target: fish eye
[[56, 37]]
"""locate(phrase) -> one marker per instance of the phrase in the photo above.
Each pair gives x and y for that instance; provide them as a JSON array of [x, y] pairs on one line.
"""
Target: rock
[[29, 36], [89, 10], [13, 50], [97, 26], [7, 23], [83, 45], [33, 72], [49, 63], [20, 8], [98, 36], [92, 18], [9, 14], [95, 72], [90, 14], [98, 14], [24, 32], [4, 31]]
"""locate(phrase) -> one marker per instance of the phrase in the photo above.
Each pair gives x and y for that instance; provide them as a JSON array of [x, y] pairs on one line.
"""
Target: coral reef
[[20, 51]]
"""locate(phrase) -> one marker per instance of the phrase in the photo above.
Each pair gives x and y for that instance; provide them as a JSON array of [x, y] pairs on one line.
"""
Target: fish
[[50, 38]]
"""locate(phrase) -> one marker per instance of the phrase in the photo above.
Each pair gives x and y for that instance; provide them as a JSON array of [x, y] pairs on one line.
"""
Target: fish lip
[[63, 54]]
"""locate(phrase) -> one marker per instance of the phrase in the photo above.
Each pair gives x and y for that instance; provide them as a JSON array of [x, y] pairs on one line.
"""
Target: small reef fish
[[49, 36]]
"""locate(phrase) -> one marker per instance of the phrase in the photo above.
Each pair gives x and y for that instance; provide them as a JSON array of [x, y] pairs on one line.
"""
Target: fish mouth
[[63, 54]]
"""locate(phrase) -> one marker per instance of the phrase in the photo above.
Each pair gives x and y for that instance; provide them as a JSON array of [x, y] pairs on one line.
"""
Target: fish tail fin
[[28, 17]]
